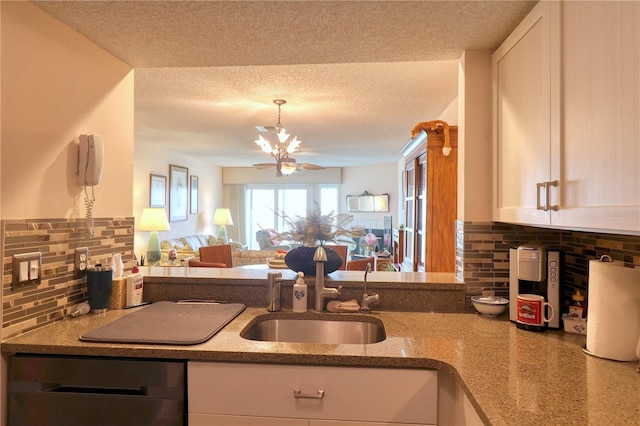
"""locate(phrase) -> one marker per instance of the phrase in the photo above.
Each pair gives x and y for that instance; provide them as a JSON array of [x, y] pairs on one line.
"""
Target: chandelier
[[282, 148]]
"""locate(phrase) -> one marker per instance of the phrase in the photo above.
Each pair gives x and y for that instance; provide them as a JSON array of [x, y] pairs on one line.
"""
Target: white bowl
[[491, 306]]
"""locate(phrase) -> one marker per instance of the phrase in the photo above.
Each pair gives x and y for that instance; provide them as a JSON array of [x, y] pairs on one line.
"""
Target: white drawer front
[[359, 394], [225, 420]]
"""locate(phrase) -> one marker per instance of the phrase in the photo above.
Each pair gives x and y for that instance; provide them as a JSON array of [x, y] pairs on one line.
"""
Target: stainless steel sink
[[317, 328]]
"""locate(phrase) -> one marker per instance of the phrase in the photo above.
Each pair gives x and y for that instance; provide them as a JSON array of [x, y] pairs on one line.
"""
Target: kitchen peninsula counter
[[399, 291], [510, 375]]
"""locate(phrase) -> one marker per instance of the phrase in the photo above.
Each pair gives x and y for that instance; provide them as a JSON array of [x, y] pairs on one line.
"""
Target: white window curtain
[[233, 198]]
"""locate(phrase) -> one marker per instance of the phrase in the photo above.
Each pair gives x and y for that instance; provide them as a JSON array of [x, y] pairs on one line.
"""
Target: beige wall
[[56, 85], [474, 137], [377, 179], [150, 159]]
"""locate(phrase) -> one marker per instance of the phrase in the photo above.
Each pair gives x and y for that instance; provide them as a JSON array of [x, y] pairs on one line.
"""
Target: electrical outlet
[[80, 262]]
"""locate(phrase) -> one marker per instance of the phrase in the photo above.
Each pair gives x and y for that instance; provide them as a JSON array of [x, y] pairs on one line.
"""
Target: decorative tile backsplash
[[482, 253], [482, 260], [36, 305]]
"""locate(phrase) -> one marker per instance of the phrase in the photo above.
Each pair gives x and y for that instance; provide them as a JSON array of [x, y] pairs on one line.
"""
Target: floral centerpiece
[[310, 230], [316, 228]]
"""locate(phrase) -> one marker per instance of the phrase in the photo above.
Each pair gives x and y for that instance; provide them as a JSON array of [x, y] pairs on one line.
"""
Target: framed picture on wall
[[194, 194], [178, 193], [158, 191]]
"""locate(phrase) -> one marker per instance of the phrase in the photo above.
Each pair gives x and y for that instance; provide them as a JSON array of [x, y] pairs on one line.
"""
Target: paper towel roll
[[613, 326]]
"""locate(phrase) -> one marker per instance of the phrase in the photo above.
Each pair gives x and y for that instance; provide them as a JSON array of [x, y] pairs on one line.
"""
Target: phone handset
[[90, 162]]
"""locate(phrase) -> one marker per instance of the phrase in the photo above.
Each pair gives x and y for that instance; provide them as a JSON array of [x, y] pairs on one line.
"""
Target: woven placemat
[[168, 323]]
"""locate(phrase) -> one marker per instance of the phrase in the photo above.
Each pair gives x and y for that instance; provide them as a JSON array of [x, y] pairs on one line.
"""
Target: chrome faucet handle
[[369, 300]]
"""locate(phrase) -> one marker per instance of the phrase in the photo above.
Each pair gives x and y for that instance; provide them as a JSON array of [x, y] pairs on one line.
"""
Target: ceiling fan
[[288, 166], [282, 148]]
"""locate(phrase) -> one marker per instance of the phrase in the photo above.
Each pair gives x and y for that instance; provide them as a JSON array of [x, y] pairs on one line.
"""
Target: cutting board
[[168, 323]]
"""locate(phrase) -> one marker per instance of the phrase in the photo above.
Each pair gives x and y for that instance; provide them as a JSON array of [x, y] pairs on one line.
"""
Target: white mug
[[531, 309]]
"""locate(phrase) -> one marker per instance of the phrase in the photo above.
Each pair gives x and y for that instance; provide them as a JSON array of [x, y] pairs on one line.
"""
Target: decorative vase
[[301, 260]]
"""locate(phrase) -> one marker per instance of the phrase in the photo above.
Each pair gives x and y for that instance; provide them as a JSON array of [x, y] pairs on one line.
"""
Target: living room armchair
[[217, 254]]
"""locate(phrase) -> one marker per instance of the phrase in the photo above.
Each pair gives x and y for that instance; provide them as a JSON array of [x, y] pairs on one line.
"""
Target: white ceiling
[[357, 75]]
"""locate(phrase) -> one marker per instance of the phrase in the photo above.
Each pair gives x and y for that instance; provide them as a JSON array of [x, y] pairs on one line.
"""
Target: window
[[263, 201]]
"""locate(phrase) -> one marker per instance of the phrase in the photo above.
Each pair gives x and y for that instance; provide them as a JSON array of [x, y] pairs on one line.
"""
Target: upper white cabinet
[[567, 118], [526, 87]]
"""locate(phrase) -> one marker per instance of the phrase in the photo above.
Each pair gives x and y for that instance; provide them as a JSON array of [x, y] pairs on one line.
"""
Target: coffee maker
[[534, 270]]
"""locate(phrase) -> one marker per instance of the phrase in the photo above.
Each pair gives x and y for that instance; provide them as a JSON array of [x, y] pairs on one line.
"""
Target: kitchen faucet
[[368, 299], [322, 293]]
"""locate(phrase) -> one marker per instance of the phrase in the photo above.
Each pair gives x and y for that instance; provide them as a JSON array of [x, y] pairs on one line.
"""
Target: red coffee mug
[[531, 309]]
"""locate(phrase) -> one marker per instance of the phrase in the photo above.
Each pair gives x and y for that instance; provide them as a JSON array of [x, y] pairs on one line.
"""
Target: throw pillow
[[273, 237]]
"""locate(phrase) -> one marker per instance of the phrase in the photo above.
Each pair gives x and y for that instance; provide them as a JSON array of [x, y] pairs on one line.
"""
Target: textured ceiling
[[357, 75]]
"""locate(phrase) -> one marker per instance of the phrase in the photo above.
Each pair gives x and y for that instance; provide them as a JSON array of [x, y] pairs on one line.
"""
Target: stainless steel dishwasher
[[67, 390]]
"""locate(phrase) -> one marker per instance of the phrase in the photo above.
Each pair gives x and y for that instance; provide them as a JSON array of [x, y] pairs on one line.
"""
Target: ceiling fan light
[[283, 135], [264, 144], [288, 168], [281, 149], [293, 145]]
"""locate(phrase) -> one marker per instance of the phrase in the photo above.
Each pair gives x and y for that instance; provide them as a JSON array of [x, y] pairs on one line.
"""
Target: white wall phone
[[90, 163], [90, 160]]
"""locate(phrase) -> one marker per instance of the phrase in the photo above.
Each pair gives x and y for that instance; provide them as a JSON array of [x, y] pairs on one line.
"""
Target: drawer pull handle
[[297, 393]]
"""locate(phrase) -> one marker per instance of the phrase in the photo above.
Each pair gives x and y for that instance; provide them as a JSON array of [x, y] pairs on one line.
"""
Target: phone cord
[[88, 202]]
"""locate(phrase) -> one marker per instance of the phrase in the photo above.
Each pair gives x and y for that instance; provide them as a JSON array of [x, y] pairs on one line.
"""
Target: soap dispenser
[[300, 294]]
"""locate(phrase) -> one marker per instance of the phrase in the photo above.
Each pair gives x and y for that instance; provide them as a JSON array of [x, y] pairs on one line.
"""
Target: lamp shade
[[154, 219], [222, 217]]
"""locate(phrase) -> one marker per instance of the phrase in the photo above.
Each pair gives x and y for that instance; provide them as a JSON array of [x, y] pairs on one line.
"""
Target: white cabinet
[[600, 151], [526, 111], [566, 129], [228, 393]]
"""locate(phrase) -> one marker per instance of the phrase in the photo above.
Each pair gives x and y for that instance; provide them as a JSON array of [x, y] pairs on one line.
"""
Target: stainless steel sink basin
[[318, 328]]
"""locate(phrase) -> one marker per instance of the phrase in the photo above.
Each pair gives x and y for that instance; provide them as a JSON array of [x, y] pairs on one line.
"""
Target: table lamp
[[153, 219], [222, 217]]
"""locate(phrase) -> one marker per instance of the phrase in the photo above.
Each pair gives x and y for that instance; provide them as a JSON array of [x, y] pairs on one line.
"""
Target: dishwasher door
[[66, 390]]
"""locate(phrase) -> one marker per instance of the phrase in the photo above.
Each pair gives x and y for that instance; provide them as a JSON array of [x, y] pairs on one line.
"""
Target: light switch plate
[[31, 264], [80, 262]]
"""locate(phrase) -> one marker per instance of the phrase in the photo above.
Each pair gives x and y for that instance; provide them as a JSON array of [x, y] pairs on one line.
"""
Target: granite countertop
[[511, 376]]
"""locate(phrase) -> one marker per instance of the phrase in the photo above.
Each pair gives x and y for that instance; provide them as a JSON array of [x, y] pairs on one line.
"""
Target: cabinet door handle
[[546, 203], [297, 393], [547, 187]]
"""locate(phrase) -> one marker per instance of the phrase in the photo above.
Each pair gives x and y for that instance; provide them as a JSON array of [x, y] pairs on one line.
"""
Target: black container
[[301, 260], [99, 286]]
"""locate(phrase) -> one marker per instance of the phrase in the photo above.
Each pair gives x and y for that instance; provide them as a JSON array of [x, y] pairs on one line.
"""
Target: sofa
[[188, 248]]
